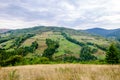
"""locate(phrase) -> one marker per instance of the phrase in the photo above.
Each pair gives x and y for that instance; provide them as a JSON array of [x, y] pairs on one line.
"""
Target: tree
[[52, 47], [85, 54], [73, 40], [112, 55]]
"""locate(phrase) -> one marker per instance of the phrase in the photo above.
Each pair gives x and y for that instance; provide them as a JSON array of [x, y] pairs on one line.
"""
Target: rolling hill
[[42, 33], [33, 45]]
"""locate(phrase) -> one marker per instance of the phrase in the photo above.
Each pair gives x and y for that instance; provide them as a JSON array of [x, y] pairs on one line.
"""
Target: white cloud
[[78, 14], [111, 18], [113, 6], [19, 24]]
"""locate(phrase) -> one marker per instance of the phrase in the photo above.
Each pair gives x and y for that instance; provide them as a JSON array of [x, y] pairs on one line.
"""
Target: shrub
[[85, 54], [12, 60]]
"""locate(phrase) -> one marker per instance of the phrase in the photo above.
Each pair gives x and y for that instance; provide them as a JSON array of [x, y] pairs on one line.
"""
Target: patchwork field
[[66, 47], [95, 39], [61, 72]]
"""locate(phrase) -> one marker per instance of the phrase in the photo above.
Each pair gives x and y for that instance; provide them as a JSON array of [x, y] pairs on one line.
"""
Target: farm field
[[65, 45], [61, 72]]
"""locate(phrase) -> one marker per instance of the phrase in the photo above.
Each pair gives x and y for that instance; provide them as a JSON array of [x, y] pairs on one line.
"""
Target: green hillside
[[31, 43]]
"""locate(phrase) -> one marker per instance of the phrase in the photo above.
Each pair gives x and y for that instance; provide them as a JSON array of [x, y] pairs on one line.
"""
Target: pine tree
[[112, 55]]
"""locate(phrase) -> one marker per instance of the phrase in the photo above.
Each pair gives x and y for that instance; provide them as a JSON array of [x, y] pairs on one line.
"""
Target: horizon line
[[60, 27]]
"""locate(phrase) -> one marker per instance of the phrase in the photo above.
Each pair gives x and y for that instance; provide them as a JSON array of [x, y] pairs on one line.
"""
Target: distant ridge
[[113, 33], [104, 32], [4, 30]]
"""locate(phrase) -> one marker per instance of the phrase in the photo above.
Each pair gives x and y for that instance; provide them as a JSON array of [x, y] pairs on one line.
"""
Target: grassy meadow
[[61, 72]]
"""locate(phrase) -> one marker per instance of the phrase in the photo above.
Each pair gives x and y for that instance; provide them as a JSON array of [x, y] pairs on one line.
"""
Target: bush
[[35, 60], [70, 59], [85, 54], [41, 60], [12, 60]]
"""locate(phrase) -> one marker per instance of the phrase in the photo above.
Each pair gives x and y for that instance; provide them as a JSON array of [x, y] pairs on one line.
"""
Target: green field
[[66, 47], [35, 45]]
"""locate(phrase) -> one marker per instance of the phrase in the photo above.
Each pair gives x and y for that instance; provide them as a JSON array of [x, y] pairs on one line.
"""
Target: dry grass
[[28, 42], [61, 72]]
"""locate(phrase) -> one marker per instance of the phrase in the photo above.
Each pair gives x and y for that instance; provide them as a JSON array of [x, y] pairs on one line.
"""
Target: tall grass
[[13, 75], [62, 72]]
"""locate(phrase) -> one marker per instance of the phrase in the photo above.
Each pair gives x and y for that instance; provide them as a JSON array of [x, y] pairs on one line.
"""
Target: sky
[[76, 14]]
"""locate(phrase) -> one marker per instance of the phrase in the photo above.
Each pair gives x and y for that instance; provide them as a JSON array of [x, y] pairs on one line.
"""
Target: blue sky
[[77, 14]]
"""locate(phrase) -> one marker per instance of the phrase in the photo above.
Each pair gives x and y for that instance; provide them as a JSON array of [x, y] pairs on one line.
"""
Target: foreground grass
[[61, 72]]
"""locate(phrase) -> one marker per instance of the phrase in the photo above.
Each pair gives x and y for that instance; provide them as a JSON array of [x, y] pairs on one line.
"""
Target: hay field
[[61, 72]]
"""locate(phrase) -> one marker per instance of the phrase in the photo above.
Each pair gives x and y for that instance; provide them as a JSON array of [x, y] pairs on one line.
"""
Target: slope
[[41, 33]]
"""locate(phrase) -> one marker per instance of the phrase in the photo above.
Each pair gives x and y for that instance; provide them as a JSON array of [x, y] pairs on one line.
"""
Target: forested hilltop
[[45, 45]]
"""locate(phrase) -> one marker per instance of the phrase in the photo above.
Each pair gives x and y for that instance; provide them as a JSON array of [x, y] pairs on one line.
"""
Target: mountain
[[4, 30], [70, 41], [115, 33], [43, 44], [98, 31]]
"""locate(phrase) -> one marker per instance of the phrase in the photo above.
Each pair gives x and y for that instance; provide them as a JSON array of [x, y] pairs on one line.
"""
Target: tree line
[[15, 56], [18, 56], [73, 40], [20, 39]]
